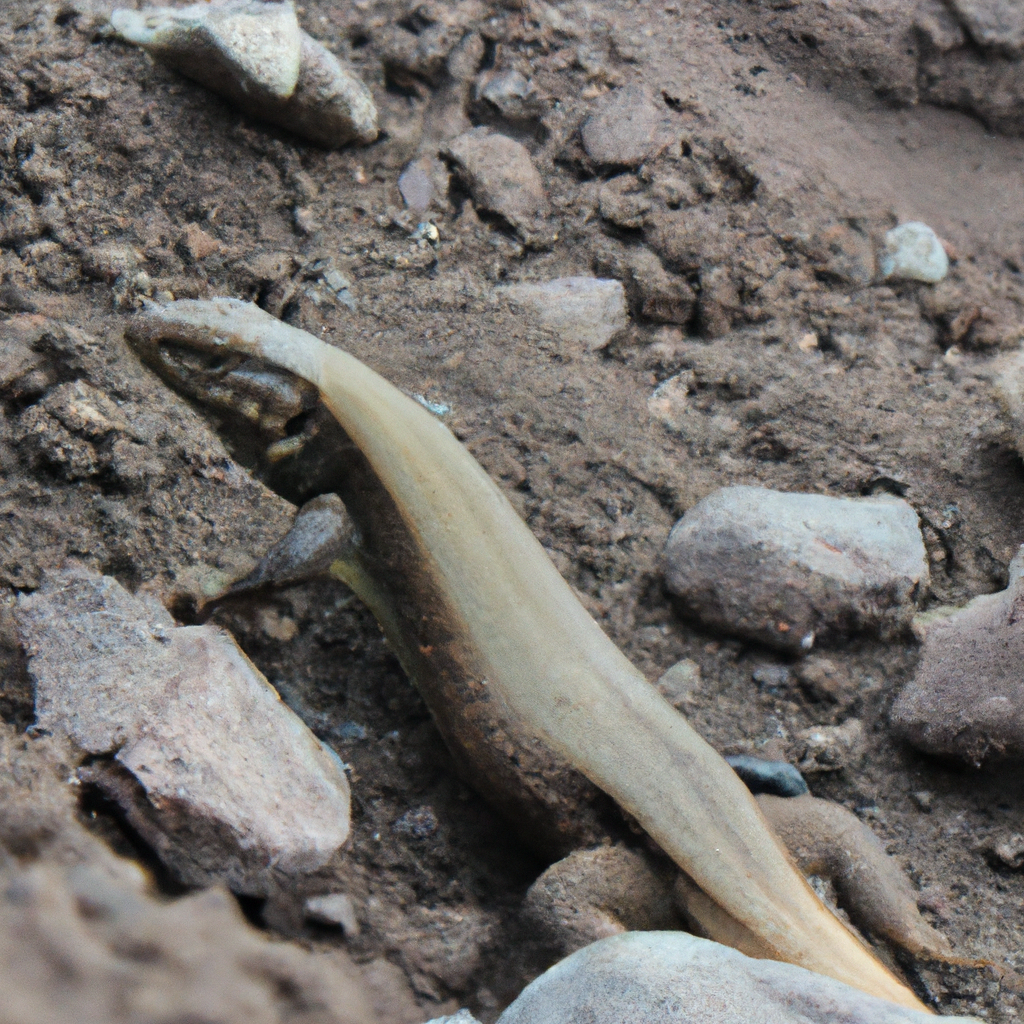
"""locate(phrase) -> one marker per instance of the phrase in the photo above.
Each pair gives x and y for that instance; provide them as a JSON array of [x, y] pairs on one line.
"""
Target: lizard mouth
[[238, 385]]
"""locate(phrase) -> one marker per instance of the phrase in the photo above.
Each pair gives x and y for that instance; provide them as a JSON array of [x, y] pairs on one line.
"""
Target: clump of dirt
[[746, 239]]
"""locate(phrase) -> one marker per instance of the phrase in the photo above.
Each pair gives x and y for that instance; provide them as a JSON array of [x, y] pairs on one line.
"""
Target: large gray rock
[[206, 762], [676, 978], [787, 569], [967, 697]]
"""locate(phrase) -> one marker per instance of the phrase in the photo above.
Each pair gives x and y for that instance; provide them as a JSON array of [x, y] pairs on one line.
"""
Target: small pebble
[[771, 677], [913, 252], [776, 777], [335, 909], [680, 682], [923, 800], [830, 748], [1010, 852]]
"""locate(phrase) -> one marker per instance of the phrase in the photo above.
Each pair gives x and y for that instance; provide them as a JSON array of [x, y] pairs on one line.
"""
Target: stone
[[966, 699], [1008, 383], [776, 777], [677, 978], [993, 24], [1009, 852], [510, 93], [591, 894], [335, 908], [254, 54], [626, 128], [184, 734], [787, 569], [679, 683], [913, 252], [84, 942], [830, 748], [589, 312], [502, 180]]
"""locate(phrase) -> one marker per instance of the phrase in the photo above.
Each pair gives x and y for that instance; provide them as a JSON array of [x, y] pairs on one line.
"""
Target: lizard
[[540, 710]]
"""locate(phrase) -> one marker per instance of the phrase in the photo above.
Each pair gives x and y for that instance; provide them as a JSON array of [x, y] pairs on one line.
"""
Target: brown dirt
[[786, 161]]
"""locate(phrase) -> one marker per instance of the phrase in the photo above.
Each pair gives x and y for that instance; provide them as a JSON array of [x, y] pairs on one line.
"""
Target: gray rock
[[967, 697], [334, 908], [993, 24], [204, 759], [676, 978], [502, 179], [1009, 389], [585, 311], [786, 569], [510, 93], [255, 54], [913, 252], [626, 129], [776, 777], [680, 683]]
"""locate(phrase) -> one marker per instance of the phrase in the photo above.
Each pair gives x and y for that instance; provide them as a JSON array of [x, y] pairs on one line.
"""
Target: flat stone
[[966, 699], [502, 180], [676, 978], [626, 128], [786, 569], [585, 311], [188, 738]]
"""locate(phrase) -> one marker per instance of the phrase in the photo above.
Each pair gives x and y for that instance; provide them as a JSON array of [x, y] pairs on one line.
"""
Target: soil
[[795, 135]]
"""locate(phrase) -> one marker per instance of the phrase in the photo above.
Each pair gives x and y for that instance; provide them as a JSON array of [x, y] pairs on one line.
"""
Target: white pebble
[[913, 252]]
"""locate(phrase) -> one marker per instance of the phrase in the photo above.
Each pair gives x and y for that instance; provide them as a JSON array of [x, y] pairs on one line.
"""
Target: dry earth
[[793, 136]]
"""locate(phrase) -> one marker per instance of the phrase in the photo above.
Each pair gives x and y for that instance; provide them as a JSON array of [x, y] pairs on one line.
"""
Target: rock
[[502, 180], [993, 24], [592, 894], [336, 908], [680, 682], [776, 777], [186, 736], [255, 54], [966, 699], [825, 681], [676, 978], [462, 1017], [626, 129], [913, 252], [84, 943], [510, 94], [1009, 389], [1010, 852], [786, 569], [830, 748], [585, 311]]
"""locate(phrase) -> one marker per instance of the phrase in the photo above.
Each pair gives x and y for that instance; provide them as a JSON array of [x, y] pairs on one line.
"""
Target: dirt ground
[[797, 134]]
